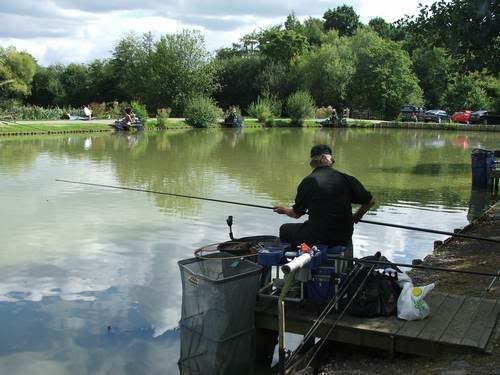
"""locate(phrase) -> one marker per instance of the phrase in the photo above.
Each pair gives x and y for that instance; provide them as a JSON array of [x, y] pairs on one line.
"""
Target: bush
[[300, 105], [201, 112], [99, 110], [12, 110], [115, 109], [162, 115], [262, 109], [139, 110], [323, 112]]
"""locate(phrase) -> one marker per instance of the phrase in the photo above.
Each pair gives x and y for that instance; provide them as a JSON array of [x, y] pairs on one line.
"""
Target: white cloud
[[78, 31]]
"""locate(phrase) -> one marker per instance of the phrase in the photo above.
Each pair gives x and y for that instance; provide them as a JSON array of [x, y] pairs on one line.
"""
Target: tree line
[[446, 57]]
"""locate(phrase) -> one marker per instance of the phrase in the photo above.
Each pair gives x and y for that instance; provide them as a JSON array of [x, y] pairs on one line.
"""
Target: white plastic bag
[[403, 278], [411, 304]]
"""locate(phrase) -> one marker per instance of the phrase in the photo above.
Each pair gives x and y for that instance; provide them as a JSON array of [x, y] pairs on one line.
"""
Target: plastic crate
[[269, 257], [316, 260], [272, 253], [323, 285]]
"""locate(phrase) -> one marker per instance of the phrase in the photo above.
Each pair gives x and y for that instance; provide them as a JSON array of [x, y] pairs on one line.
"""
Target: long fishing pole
[[428, 268], [270, 207]]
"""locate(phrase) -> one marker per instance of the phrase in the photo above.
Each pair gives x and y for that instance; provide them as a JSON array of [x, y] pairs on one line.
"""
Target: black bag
[[379, 293]]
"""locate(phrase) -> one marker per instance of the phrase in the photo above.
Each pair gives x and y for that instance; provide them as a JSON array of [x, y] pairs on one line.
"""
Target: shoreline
[[49, 127]]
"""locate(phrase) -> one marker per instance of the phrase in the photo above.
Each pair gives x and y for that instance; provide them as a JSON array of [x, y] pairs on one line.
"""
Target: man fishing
[[326, 195]]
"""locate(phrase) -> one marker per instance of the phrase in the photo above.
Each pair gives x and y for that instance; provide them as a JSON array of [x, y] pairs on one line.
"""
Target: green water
[[89, 281]]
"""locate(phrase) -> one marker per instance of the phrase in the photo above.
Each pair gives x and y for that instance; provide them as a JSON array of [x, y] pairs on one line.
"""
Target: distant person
[[231, 117], [346, 112], [69, 116], [334, 117], [87, 112], [129, 116]]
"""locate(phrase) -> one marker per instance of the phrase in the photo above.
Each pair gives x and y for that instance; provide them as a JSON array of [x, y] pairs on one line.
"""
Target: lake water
[[89, 281]]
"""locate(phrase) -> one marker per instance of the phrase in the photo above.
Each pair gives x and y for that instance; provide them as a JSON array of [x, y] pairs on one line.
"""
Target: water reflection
[[76, 260]]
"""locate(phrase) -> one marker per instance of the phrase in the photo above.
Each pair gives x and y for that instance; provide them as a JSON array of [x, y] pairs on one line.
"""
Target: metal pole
[[467, 272], [281, 321], [493, 281]]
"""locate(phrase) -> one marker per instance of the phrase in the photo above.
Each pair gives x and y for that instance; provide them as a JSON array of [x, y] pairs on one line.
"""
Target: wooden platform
[[456, 324]]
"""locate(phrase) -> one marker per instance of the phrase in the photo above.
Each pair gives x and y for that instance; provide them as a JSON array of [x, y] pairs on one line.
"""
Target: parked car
[[485, 117], [436, 115], [462, 117], [411, 113]]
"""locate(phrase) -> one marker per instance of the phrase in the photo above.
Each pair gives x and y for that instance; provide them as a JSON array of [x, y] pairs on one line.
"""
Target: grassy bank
[[62, 126]]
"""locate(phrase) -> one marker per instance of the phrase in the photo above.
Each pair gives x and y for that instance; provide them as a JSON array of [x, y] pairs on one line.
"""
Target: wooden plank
[[455, 323], [461, 322], [481, 325], [389, 324], [414, 327], [441, 318], [493, 321]]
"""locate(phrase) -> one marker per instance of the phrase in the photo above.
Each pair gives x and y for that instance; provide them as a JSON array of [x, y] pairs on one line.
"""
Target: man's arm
[[282, 210], [363, 209]]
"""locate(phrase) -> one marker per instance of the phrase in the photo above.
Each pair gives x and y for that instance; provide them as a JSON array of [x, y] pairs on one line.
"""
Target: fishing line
[[270, 207]]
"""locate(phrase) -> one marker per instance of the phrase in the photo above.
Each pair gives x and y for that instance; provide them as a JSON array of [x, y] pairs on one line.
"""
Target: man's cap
[[320, 150]]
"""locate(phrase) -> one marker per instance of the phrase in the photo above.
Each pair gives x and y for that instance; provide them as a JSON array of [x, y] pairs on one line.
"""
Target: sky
[[65, 31]]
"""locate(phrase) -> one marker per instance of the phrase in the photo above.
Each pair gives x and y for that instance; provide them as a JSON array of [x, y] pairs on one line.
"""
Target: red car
[[462, 117]]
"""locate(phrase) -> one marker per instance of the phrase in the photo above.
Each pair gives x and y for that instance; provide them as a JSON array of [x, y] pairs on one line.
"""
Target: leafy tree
[[282, 45], [131, 65], [432, 67], [238, 80], [275, 79], [293, 23], [250, 41], [383, 80], [76, 86], [343, 19], [384, 29], [168, 72], [464, 92], [102, 80], [47, 89], [313, 31], [491, 85], [469, 29], [16, 73], [326, 71], [181, 69]]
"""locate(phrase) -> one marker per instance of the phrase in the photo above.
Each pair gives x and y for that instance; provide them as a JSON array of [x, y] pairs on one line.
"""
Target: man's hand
[[358, 215], [281, 210], [286, 211]]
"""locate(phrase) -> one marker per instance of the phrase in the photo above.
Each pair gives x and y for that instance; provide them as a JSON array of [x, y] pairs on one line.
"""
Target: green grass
[[172, 123], [48, 127], [41, 127]]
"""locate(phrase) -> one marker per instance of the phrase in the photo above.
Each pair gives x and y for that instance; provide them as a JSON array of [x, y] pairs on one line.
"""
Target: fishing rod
[[270, 207], [428, 268]]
